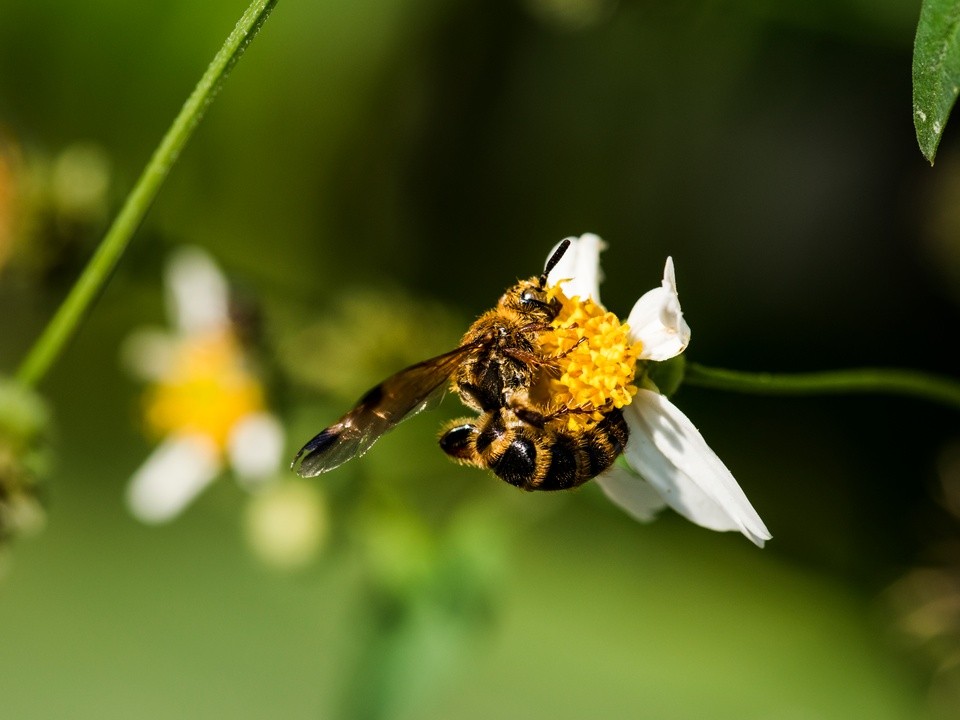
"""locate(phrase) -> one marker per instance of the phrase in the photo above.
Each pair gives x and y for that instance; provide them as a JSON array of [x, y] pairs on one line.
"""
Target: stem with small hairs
[[95, 275]]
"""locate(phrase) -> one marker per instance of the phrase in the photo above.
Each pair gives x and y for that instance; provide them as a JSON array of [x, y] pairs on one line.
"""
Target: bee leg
[[528, 358], [459, 441], [534, 327], [477, 397], [587, 409], [538, 360], [571, 349], [529, 415]]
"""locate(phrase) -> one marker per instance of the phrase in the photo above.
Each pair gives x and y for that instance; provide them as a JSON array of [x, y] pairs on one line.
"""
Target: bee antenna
[[554, 259]]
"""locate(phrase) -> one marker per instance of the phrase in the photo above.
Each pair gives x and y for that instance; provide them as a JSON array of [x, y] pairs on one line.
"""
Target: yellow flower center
[[207, 390], [596, 362]]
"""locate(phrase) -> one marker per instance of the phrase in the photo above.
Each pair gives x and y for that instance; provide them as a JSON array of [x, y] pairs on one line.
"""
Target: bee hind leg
[[537, 417]]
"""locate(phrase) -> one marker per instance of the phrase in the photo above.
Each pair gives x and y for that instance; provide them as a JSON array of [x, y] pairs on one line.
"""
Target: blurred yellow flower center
[[597, 362], [206, 391]]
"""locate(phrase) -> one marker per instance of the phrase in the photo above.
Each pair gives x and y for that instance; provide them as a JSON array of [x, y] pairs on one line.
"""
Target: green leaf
[[936, 71]]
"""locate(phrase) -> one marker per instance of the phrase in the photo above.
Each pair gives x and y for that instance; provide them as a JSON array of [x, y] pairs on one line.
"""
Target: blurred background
[[370, 179]]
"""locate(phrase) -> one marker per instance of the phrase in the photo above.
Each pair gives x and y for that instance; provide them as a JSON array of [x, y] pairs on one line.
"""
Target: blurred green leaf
[[668, 375], [936, 71]]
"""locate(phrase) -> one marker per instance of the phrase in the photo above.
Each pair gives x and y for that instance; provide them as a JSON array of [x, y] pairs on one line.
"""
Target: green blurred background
[[412, 160]]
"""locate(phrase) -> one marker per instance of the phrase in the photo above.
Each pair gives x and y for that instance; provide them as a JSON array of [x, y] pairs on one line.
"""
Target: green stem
[[91, 282], [910, 383]]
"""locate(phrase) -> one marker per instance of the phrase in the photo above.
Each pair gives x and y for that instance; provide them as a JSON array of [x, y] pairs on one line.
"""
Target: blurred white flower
[[286, 524], [204, 403], [670, 462]]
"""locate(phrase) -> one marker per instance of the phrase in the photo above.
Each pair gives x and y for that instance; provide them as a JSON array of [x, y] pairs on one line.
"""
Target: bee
[[498, 361], [532, 455]]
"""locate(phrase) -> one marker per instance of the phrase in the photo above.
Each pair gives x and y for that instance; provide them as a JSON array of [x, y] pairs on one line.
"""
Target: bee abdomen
[[459, 441], [614, 426], [605, 442], [491, 432], [556, 464], [518, 463]]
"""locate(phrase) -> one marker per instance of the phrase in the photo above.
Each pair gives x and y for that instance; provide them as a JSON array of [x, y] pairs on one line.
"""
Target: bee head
[[531, 297], [532, 300]]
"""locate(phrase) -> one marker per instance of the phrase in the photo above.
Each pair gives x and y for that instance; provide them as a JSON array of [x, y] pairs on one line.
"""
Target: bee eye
[[528, 296]]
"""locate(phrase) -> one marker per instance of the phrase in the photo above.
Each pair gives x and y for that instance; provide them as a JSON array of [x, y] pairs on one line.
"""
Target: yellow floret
[[207, 390], [596, 375]]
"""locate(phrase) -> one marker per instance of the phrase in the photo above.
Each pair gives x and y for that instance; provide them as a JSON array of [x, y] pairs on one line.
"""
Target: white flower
[[287, 524], [204, 403], [671, 462]]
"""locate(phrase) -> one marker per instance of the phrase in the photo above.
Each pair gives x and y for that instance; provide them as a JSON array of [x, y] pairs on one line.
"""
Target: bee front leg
[[540, 360], [535, 360], [577, 344]]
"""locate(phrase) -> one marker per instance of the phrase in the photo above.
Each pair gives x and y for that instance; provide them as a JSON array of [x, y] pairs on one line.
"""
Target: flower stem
[[910, 383], [94, 277]]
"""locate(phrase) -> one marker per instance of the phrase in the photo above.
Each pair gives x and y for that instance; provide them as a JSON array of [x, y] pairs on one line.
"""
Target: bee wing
[[391, 402]]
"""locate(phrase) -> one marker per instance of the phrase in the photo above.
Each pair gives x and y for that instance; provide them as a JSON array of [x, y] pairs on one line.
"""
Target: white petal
[[174, 474], [197, 292], [667, 450], [580, 267], [657, 321], [149, 353], [255, 447], [633, 494]]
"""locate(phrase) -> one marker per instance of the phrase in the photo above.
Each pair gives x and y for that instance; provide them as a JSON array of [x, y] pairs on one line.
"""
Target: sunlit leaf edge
[[936, 71]]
